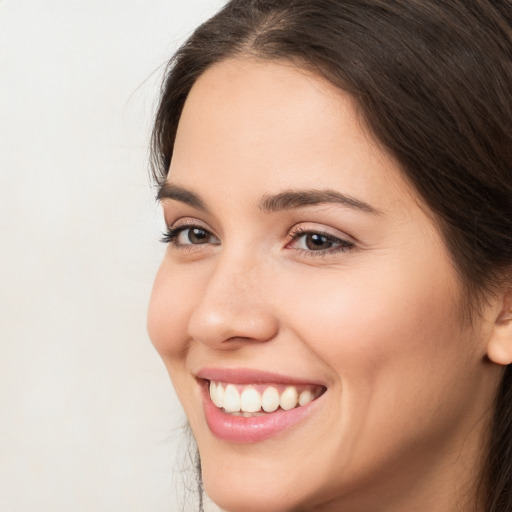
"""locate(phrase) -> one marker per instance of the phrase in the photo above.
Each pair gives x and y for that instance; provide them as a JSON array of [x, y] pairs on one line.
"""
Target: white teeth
[[248, 401], [305, 397], [288, 398], [270, 400], [231, 401], [217, 394], [251, 400], [213, 392]]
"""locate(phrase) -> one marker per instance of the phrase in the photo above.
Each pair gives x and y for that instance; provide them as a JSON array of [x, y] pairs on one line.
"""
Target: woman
[[334, 307]]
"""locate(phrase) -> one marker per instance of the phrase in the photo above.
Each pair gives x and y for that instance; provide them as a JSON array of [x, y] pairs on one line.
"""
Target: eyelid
[[189, 222], [313, 227], [185, 220]]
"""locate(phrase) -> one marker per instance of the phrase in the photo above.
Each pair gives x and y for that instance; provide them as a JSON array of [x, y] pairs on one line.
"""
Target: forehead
[[269, 126]]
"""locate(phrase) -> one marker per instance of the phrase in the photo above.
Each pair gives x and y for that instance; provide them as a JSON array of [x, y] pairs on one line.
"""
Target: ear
[[499, 346]]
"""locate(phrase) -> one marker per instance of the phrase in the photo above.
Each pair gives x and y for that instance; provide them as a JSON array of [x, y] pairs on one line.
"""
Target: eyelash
[[170, 237]]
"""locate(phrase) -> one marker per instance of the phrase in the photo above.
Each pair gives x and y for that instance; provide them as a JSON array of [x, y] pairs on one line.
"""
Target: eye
[[192, 236], [317, 242], [189, 235]]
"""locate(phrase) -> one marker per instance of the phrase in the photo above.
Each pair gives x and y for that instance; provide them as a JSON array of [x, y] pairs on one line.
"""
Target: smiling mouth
[[249, 406], [261, 399]]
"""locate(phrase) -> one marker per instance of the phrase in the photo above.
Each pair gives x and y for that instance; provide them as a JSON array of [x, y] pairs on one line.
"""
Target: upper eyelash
[[169, 235]]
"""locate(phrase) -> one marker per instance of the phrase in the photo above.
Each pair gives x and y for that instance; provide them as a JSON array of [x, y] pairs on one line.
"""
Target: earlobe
[[499, 347]]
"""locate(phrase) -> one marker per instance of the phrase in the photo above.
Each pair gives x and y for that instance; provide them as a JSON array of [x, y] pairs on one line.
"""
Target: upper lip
[[251, 376]]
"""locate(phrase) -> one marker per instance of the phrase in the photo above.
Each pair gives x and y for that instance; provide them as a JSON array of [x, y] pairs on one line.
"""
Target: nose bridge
[[234, 305]]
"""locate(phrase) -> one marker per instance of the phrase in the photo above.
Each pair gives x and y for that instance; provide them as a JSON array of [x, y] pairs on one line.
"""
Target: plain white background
[[88, 419]]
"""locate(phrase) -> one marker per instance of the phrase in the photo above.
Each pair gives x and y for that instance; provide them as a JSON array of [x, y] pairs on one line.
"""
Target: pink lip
[[239, 429], [250, 376]]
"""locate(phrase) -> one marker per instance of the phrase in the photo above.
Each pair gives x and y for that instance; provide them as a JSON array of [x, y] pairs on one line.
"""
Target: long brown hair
[[433, 81]]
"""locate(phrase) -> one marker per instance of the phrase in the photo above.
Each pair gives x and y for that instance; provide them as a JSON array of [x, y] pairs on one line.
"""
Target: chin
[[245, 484], [231, 499]]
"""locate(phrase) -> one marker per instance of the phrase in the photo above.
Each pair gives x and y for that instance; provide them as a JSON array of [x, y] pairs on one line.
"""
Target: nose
[[234, 307]]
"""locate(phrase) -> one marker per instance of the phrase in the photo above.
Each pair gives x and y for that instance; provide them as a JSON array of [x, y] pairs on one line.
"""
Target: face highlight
[[307, 309]]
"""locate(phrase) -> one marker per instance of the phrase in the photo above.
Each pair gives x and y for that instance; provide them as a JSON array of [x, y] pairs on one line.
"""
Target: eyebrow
[[298, 198], [169, 191], [287, 200]]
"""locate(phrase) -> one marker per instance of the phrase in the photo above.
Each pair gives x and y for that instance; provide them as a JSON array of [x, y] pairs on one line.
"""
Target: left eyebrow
[[291, 199]]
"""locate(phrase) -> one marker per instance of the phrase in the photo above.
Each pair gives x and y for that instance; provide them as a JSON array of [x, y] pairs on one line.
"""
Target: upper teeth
[[248, 399]]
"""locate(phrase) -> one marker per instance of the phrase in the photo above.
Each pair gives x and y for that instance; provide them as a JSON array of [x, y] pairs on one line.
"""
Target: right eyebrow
[[169, 191]]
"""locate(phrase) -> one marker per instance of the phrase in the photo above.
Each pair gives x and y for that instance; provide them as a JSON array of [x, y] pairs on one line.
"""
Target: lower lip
[[239, 429]]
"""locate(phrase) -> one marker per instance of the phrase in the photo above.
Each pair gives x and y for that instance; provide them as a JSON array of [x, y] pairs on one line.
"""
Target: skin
[[409, 381]]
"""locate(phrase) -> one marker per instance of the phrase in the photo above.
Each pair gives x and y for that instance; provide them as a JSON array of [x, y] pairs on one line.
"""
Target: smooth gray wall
[[88, 419]]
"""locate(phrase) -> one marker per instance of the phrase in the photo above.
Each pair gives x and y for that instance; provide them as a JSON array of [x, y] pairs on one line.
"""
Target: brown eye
[[196, 235], [184, 236], [317, 241]]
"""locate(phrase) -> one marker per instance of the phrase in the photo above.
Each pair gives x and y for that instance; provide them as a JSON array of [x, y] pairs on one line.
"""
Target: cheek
[[397, 353], [169, 311], [371, 327]]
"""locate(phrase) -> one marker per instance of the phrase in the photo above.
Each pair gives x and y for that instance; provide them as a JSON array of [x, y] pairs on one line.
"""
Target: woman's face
[[302, 267]]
